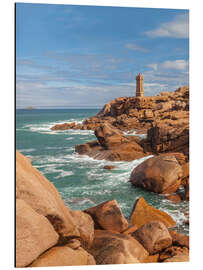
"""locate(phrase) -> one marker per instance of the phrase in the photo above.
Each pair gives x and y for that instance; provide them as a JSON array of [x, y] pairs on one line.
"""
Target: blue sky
[[85, 56]]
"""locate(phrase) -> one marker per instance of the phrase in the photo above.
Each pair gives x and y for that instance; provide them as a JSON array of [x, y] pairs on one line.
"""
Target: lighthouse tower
[[139, 86]]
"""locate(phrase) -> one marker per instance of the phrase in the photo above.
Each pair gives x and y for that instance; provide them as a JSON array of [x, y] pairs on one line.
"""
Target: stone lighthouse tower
[[139, 86]]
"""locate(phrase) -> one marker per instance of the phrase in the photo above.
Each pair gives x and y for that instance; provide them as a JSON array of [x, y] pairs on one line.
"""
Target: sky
[[70, 56]]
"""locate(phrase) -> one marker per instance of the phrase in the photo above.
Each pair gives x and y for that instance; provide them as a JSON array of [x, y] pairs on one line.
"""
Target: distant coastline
[[62, 108], [30, 108]]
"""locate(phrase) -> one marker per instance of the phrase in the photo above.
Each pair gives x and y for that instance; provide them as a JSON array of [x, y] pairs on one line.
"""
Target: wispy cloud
[[177, 28], [153, 66], [135, 47], [75, 95], [166, 75], [174, 65], [86, 79], [24, 62], [177, 64]]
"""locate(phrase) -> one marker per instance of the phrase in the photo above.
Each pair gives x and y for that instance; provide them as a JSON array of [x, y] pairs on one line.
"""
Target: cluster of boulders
[[112, 144], [164, 118], [49, 234], [166, 173]]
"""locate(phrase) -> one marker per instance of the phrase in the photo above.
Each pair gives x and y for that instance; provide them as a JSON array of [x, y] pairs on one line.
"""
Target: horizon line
[[57, 108]]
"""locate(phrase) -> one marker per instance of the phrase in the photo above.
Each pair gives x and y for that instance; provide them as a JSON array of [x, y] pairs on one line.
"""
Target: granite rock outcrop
[[98, 235]]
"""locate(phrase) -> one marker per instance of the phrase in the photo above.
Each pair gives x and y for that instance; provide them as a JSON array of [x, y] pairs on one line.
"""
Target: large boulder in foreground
[[43, 197], [152, 258], [160, 174], [173, 251], [34, 234], [154, 237], [178, 258], [85, 225], [181, 158], [112, 248], [108, 216], [64, 256], [179, 239], [144, 213]]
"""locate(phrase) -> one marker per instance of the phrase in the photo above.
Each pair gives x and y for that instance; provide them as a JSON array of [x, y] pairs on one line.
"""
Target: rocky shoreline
[[163, 118], [165, 121], [50, 234]]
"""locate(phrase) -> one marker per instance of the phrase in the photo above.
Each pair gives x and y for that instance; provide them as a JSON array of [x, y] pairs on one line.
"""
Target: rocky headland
[[48, 233], [164, 119]]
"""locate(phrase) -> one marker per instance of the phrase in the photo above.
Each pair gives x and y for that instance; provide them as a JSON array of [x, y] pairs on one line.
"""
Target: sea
[[82, 181]]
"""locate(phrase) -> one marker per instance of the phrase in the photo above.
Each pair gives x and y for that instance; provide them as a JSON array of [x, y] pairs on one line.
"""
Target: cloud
[[174, 65], [28, 86], [156, 81], [86, 80], [75, 95], [31, 64], [24, 62], [177, 64], [153, 66], [177, 28], [166, 76], [134, 47]]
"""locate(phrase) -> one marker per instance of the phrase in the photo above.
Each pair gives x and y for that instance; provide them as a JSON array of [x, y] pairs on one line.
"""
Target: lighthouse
[[139, 86]]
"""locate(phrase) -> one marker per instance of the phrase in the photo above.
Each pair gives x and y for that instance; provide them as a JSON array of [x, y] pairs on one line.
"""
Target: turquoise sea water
[[82, 181]]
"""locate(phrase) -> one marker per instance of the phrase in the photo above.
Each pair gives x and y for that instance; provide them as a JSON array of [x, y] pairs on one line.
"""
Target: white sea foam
[[84, 201], [46, 165], [97, 171], [79, 132], [111, 179], [119, 164], [98, 191], [64, 174], [27, 150], [176, 214], [41, 160], [78, 200], [69, 121], [53, 168], [56, 147], [134, 133], [86, 161], [52, 164], [103, 182], [45, 128], [94, 175], [69, 138]]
